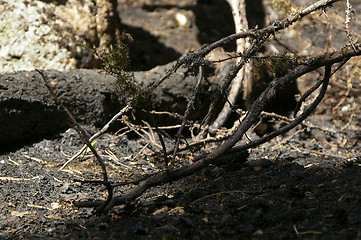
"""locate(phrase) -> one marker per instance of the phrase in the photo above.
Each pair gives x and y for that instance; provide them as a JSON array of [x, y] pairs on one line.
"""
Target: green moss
[[116, 58], [279, 65], [285, 6]]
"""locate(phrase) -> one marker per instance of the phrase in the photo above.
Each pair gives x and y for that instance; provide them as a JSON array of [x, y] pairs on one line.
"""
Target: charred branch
[[266, 97]]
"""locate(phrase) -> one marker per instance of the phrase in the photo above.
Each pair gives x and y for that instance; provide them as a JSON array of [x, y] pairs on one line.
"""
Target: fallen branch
[[296, 121], [196, 59], [270, 92], [84, 136], [266, 97], [260, 38]]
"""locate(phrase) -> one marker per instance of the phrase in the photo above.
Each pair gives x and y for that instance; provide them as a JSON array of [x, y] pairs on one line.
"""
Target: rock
[[173, 93], [48, 37], [28, 112], [55, 34]]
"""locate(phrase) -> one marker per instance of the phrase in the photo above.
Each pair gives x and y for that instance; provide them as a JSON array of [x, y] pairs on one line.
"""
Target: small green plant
[[88, 150], [116, 61]]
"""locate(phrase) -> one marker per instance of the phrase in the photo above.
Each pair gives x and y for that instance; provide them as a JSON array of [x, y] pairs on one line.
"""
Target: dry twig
[[85, 138]]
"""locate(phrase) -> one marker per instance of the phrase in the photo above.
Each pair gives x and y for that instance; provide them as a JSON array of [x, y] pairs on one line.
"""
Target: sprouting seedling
[[87, 150]]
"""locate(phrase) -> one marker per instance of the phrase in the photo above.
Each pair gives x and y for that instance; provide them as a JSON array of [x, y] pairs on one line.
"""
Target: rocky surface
[[28, 112], [54, 34]]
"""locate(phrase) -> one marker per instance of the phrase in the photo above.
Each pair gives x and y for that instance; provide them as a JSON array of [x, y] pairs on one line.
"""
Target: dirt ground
[[308, 188], [307, 192]]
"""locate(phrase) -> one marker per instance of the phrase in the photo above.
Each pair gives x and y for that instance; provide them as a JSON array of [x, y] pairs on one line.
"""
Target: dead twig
[[85, 138], [99, 133], [150, 136], [160, 136], [187, 112], [347, 23]]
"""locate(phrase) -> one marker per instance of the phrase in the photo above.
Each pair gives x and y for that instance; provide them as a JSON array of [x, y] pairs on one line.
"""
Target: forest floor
[[308, 188]]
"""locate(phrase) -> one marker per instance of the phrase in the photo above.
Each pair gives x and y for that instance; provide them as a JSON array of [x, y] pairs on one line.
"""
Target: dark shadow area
[[28, 122], [214, 20], [255, 13], [146, 52], [56, 2]]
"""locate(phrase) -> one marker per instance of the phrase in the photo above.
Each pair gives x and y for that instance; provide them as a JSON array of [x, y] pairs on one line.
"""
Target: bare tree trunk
[[244, 76]]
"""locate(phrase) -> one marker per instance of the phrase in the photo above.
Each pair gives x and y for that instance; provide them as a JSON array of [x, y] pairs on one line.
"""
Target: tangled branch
[[228, 149], [266, 97]]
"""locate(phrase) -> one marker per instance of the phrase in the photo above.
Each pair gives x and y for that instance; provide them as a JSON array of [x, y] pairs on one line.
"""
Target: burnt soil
[[305, 191], [305, 184]]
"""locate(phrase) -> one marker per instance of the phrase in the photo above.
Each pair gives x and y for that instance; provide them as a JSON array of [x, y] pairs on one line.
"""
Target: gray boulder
[[28, 112], [55, 34]]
